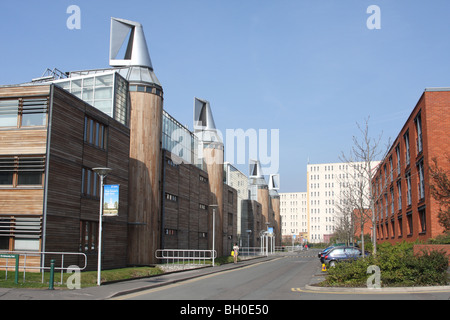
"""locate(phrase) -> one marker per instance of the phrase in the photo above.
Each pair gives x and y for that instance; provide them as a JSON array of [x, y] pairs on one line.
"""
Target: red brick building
[[405, 208]]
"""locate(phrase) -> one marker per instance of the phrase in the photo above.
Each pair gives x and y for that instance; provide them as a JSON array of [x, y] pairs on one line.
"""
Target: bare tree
[[353, 200], [345, 220], [363, 158], [440, 189]]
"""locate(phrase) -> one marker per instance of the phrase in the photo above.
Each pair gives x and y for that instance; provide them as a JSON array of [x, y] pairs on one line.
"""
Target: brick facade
[[404, 205]]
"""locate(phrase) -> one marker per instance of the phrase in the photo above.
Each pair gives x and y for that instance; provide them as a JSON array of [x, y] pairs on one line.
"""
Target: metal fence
[[250, 251], [185, 257], [27, 263]]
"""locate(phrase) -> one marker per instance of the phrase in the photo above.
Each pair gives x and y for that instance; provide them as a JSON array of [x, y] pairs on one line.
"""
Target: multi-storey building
[[239, 181], [49, 194], [327, 186], [294, 216], [55, 130], [405, 208]]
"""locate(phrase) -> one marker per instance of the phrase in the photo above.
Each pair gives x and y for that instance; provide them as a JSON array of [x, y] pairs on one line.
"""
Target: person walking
[[236, 252]]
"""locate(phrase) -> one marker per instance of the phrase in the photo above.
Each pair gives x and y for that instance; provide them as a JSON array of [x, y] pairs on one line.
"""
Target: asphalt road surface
[[282, 278]]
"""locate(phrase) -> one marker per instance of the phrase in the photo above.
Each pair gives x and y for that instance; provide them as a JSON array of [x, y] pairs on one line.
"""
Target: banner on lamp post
[[111, 200]]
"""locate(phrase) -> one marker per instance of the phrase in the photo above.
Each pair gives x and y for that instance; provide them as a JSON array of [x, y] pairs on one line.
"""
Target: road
[[272, 280], [282, 278]]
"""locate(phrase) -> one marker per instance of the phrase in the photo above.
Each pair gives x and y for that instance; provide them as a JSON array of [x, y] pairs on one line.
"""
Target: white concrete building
[[239, 181], [326, 184], [294, 214]]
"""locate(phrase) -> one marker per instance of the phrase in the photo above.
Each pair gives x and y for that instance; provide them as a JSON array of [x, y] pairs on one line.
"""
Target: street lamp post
[[214, 206], [102, 172]]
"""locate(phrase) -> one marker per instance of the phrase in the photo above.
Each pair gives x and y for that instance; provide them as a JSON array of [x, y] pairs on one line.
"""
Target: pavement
[[111, 290]]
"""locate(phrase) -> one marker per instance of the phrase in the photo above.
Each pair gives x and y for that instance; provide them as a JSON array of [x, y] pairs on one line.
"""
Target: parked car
[[341, 253], [322, 253]]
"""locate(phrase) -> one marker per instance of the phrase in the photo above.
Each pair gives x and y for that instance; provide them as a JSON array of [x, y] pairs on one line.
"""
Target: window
[[397, 152], [90, 183], [421, 180], [30, 171], [170, 232], [386, 205], [391, 169], [393, 227], [7, 171], [9, 110], [23, 112], [418, 122], [34, 112], [387, 229], [4, 241], [338, 251], [408, 192], [22, 171], [422, 220], [20, 233], [407, 155], [392, 200], [230, 219], [410, 223], [171, 197], [400, 226], [95, 133], [399, 190], [88, 236], [203, 206], [230, 196]]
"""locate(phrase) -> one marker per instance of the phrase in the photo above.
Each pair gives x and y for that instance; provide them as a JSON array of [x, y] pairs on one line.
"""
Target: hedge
[[398, 265]]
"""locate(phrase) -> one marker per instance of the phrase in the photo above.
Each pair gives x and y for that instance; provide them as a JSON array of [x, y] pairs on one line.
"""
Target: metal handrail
[[42, 267], [185, 255]]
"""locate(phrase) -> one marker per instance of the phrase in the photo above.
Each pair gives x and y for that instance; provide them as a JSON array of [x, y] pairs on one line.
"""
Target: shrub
[[441, 239], [349, 274], [430, 268], [398, 265]]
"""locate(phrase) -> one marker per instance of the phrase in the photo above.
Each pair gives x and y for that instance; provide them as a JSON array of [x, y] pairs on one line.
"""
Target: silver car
[[342, 254]]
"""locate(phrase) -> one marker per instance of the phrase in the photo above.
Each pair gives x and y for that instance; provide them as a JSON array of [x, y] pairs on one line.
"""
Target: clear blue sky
[[311, 69]]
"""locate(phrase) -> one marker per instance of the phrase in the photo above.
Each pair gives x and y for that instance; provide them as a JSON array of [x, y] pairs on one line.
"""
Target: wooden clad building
[[53, 134], [49, 195], [186, 212]]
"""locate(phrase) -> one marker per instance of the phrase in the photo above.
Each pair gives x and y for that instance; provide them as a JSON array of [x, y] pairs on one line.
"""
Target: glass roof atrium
[[107, 91]]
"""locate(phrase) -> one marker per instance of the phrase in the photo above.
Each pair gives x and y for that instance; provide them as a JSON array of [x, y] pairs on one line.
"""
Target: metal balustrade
[[189, 257], [59, 258]]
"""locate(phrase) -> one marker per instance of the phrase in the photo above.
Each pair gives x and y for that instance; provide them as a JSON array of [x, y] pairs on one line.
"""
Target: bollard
[[16, 276], [52, 274]]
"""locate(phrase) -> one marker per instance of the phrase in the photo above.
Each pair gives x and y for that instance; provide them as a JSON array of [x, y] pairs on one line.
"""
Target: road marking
[[366, 292], [182, 282]]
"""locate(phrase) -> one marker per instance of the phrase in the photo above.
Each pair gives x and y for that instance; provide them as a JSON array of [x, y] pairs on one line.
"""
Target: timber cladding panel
[[21, 201], [20, 91], [256, 221], [144, 177], [186, 217], [23, 141], [31, 141], [67, 206]]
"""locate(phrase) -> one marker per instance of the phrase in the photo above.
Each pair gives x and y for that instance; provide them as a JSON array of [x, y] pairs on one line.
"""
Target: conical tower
[[274, 186], [146, 100], [213, 156]]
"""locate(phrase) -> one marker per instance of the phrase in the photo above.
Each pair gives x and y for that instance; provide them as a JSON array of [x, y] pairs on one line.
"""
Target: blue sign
[[111, 200]]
